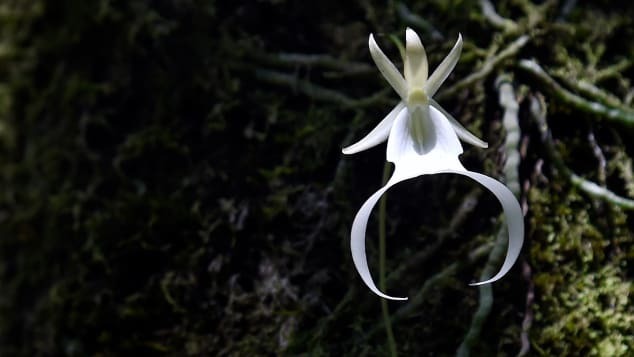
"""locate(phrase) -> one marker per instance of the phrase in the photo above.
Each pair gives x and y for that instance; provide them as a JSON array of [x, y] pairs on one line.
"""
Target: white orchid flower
[[422, 139]]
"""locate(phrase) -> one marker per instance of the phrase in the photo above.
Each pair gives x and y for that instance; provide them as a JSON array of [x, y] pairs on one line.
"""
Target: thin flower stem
[[382, 233]]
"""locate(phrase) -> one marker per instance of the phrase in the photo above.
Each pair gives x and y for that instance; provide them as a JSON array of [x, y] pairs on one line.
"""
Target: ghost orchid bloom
[[422, 139]]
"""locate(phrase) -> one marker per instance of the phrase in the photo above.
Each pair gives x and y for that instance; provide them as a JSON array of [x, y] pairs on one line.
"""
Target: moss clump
[[582, 291]]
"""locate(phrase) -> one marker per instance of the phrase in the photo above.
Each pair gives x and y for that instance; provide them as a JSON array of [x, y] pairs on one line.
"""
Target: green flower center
[[417, 96]]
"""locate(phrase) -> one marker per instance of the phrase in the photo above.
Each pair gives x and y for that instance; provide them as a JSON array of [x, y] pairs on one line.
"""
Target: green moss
[[171, 181], [583, 297]]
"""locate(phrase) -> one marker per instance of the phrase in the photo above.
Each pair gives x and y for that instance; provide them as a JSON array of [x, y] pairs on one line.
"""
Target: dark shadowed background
[[172, 183]]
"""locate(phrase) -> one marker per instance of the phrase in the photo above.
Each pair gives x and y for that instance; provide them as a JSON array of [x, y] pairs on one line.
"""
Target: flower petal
[[442, 157], [438, 155], [421, 129], [387, 68], [357, 241], [514, 220], [444, 68], [402, 150], [378, 135], [510, 206], [415, 60], [462, 132]]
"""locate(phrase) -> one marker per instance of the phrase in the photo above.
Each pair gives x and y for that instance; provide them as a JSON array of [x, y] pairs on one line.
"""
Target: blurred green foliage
[[172, 182]]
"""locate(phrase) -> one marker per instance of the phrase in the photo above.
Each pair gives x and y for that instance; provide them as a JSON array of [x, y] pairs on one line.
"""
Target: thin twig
[[611, 71], [597, 191], [317, 92], [590, 90], [495, 19], [538, 113], [595, 108], [487, 67]]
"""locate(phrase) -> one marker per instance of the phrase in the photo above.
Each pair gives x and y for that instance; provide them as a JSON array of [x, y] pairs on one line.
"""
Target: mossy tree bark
[[172, 182]]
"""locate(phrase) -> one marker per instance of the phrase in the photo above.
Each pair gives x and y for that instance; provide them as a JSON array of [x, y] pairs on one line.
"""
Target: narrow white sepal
[[378, 135], [387, 68], [463, 133], [415, 69], [444, 69]]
